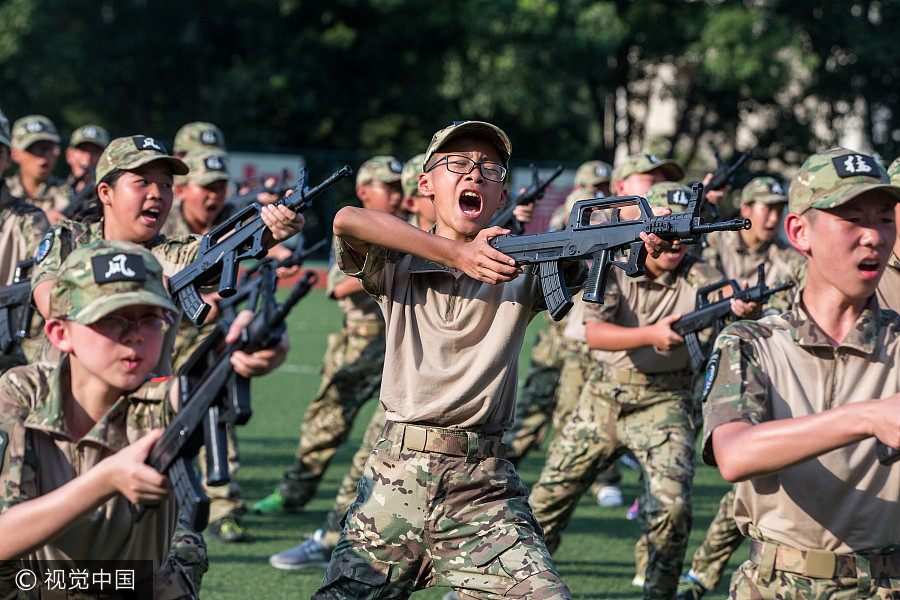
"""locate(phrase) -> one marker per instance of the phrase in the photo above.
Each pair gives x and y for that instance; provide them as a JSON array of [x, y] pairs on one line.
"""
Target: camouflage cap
[[766, 190], [198, 135], [479, 129], [894, 172], [31, 129], [90, 134], [131, 152], [385, 169], [409, 177], [834, 177], [106, 275], [644, 163], [593, 172], [669, 193], [5, 135], [206, 167]]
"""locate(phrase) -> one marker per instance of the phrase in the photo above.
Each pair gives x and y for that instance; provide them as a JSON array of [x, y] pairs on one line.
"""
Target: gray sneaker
[[450, 596], [313, 553]]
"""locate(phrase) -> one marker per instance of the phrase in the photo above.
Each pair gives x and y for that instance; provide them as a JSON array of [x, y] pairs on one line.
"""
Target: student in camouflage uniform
[[82, 154], [420, 208], [638, 398], [438, 505], [71, 462], [135, 177], [21, 227], [35, 149], [351, 369], [794, 403], [737, 254]]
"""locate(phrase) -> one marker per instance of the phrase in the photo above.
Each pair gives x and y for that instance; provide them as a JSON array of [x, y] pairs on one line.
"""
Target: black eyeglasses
[[463, 165]]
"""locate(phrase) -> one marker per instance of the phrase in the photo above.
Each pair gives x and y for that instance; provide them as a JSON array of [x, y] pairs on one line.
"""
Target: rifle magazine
[[554, 287]]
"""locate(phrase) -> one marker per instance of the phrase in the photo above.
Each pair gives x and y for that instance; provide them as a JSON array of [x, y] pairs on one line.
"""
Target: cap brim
[[205, 179], [179, 167], [38, 137], [672, 170], [105, 305], [766, 199]]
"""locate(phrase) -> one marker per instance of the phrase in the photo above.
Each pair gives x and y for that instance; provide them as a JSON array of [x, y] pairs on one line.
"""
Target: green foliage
[[567, 80]]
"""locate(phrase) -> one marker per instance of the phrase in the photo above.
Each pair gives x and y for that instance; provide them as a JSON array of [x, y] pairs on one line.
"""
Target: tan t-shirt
[[452, 342], [641, 301], [783, 367], [37, 456]]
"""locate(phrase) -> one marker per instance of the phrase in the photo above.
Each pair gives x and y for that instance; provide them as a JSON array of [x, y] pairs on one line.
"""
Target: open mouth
[[470, 203], [152, 214], [870, 266]]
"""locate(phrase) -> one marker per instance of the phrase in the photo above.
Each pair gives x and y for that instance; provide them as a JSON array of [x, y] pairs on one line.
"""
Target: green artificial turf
[[596, 558]]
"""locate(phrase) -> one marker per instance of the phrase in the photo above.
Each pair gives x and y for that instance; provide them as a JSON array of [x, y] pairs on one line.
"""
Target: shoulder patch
[[44, 247], [4, 440], [712, 367]]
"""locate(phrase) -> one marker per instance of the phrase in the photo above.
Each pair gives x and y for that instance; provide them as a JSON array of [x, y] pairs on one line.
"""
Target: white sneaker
[[609, 495], [639, 580], [313, 553]]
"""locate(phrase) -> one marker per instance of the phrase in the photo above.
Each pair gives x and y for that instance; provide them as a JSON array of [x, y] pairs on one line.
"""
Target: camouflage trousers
[[722, 539], [424, 519], [351, 374], [779, 573], [346, 495], [656, 424]]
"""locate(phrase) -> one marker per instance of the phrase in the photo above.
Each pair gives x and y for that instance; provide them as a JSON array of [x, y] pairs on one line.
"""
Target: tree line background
[[568, 80]]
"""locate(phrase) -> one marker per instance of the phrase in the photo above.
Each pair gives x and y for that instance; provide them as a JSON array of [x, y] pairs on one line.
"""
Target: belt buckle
[[414, 438], [820, 564]]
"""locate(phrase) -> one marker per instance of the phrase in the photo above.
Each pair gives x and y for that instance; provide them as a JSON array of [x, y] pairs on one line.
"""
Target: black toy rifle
[[239, 238], [582, 239], [240, 200], [211, 395], [723, 176], [80, 202], [712, 314], [505, 218], [16, 309]]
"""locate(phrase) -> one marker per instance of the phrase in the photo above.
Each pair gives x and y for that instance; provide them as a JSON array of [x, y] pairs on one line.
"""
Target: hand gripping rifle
[[505, 218], [16, 309], [712, 314], [600, 241], [211, 395], [239, 238]]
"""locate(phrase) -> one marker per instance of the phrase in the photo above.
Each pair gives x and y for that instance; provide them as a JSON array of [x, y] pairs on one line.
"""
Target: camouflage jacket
[[53, 193], [37, 456]]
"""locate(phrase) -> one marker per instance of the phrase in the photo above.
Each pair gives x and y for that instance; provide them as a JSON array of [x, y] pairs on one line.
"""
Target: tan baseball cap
[[385, 169], [593, 172], [131, 152], [766, 190], [834, 177], [31, 129], [479, 129], [90, 134], [104, 276], [644, 163]]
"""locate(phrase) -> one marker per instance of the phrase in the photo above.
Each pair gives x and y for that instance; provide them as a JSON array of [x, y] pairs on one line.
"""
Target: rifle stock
[[600, 241]]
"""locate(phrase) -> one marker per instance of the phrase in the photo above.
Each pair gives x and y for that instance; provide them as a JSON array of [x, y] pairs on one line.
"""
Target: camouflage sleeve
[[50, 254], [34, 226], [158, 412], [369, 269], [735, 388], [605, 312], [175, 254], [18, 462], [335, 274]]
